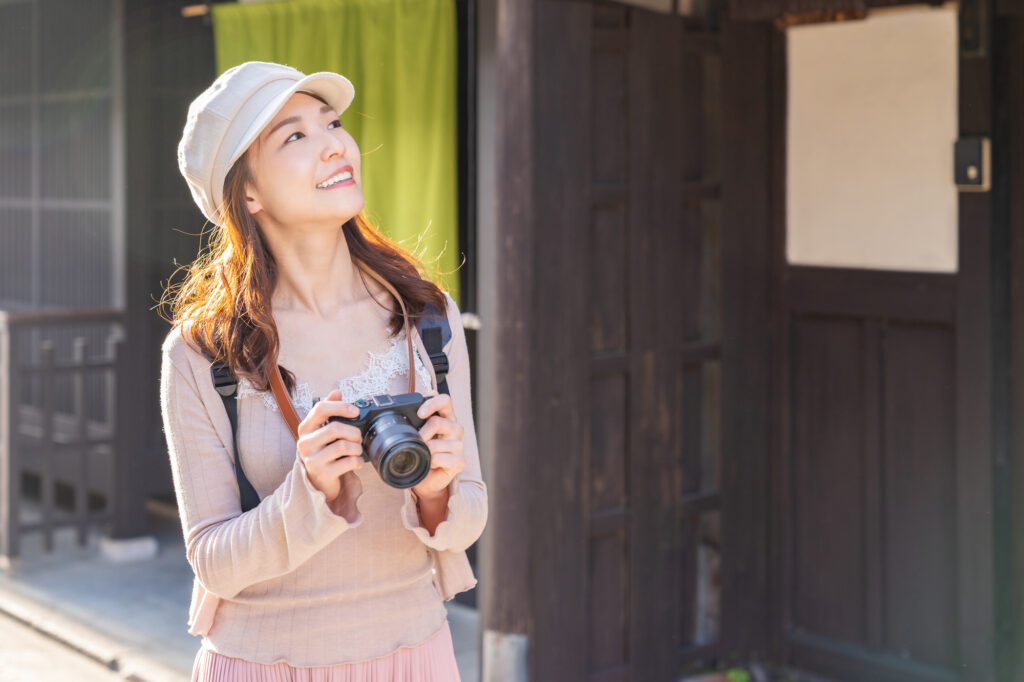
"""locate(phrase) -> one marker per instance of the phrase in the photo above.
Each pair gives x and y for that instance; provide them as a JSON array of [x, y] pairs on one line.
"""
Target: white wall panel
[[870, 129]]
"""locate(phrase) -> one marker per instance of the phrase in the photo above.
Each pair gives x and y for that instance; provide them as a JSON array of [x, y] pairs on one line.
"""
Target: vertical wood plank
[[974, 391], [146, 30], [873, 453], [608, 455], [1006, 87], [10, 467], [780, 559], [1012, 653], [747, 227], [560, 361], [128, 497], [506, 596], [81, 453], [662, 311], [828, 478], [46, 444], [919, 477]]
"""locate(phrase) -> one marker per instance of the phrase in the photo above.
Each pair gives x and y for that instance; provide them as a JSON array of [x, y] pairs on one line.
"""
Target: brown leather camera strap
[[284, 402]]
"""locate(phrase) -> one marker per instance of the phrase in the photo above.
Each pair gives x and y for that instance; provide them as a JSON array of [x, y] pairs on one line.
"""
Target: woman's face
[[305, 168]]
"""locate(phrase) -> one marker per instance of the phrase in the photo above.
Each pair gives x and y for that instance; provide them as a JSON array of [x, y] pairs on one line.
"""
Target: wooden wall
[[626, 366]]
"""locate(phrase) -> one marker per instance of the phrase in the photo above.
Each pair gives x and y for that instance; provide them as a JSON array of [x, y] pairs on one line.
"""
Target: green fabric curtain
[[401, 57]]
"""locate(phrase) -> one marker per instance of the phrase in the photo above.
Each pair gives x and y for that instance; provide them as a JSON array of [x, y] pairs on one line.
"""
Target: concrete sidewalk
[[132, 617]]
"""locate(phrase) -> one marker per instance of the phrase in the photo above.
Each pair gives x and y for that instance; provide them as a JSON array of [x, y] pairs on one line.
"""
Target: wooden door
[[627, 375], [883, 499]]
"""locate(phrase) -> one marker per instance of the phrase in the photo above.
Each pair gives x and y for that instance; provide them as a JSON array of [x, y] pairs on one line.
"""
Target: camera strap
[[435, 332]]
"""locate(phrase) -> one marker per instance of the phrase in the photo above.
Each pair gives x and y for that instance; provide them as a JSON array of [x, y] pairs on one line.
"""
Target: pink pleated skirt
[[431, 661]]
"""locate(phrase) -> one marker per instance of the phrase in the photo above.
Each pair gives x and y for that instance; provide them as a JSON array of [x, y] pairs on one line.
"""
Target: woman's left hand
[[443, 436]]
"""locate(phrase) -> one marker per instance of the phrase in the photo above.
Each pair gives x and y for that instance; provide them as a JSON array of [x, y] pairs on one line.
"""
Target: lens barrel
[[397, 452]]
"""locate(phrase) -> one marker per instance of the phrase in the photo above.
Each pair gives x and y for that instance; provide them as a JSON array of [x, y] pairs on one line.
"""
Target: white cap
[[230, 114]]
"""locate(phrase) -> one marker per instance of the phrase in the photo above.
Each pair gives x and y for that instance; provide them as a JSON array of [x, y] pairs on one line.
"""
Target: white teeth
[[340, 177]]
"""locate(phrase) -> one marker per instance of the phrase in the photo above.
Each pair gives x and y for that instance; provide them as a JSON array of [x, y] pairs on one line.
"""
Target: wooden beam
[[505, 337], [560, 409]]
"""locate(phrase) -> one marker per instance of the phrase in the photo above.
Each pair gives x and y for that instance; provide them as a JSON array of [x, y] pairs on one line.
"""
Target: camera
[[391, 438]]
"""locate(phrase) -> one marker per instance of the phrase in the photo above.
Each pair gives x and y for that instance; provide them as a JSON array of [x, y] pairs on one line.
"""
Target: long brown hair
[[223, 304]]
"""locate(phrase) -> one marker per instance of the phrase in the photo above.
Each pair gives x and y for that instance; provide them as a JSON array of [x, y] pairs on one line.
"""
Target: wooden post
[[81, 438], [505, 343], [128, 513], [10, 470], [46, 445]]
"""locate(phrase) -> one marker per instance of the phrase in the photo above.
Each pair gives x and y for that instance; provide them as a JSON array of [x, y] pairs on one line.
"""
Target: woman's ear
[[252, 201]]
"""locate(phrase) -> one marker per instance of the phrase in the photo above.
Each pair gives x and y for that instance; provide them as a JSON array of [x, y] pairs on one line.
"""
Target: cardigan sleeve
[[227, 549], [467, 493]]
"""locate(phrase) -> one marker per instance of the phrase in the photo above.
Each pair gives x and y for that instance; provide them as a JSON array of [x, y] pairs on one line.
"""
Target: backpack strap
[[436, 332], [227, 386]]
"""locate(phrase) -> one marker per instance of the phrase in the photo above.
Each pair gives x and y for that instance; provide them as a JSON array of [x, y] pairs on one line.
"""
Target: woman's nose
[[333, 146]]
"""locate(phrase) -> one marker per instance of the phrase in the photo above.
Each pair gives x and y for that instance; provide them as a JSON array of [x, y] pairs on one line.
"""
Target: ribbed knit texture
[[290, 581]]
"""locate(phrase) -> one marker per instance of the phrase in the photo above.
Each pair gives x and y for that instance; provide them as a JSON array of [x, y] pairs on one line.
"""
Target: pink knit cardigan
[[290, 580]]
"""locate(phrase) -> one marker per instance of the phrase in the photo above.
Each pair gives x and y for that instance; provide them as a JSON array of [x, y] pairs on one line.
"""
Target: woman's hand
[[330, 450], [443, 436]]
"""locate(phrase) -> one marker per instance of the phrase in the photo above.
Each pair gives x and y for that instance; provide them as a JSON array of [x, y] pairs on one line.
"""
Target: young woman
[[335, 575]]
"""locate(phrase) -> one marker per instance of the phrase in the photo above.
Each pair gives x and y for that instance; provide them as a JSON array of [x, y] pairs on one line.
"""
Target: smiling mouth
[[333, 180]]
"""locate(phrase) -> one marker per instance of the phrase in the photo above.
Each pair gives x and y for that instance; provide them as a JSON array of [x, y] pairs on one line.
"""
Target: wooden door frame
[[974, 381], [1008, 247]]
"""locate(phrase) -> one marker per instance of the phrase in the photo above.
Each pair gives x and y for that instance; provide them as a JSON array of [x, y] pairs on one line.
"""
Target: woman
[[334, 575]]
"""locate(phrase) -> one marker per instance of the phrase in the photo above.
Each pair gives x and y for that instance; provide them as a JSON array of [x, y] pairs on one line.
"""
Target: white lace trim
[[375, 378]]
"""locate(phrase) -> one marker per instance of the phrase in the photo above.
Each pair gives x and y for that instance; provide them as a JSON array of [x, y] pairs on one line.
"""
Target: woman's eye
[[293, 136], [335, 121]]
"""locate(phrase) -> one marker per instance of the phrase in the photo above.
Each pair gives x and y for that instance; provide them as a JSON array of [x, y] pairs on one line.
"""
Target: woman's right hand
[[330, 450]]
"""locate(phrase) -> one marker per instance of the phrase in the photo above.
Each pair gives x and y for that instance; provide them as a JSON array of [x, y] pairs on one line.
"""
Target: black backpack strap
[[227, 386], [436, 332]]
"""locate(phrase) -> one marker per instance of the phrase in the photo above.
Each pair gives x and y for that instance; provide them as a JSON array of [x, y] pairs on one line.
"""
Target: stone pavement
[[131, 617], [29, 656]]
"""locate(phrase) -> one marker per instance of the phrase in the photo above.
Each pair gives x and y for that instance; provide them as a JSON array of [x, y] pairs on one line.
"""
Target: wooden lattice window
[[61, 174]]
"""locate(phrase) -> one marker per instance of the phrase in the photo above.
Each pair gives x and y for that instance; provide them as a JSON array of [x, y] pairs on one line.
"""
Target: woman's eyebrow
[[295, 119]]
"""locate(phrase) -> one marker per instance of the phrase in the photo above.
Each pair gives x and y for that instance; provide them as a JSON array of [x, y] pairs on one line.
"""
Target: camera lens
[[396, 450], [402, 463]]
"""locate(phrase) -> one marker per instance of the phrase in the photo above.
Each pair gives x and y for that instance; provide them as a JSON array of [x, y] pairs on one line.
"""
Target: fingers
[[441, 446], [439, 427], [440, 404], [451, 462], [333, 452], [340, 467], [331, 406], [326, 467], [313, 441]]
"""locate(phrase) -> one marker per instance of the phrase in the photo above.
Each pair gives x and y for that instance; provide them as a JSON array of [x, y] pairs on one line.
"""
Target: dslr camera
[[391, 437]]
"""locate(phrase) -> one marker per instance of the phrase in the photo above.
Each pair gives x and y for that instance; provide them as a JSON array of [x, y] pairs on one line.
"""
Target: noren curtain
[[401, 57]]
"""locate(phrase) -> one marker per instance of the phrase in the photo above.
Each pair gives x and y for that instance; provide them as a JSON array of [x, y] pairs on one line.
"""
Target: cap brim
[[333, 88]]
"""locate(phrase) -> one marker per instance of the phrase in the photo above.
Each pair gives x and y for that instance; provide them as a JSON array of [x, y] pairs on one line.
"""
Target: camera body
[[391, 439]]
